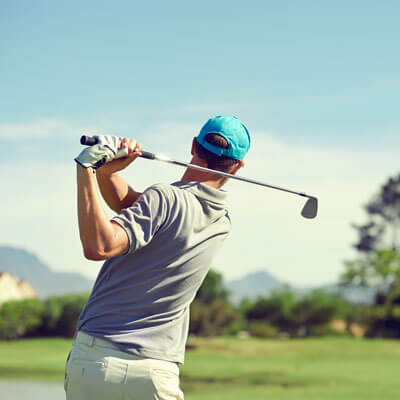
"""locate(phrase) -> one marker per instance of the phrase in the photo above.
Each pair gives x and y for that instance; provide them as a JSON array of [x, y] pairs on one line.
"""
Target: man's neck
[[203, 178], [207, 178]]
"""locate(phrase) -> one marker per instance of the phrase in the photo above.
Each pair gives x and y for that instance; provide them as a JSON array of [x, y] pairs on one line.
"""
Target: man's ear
[[236, 167], [192, 152]]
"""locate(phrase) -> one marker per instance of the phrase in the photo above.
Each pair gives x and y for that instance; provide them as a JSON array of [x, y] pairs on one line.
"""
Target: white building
[[11, 288]]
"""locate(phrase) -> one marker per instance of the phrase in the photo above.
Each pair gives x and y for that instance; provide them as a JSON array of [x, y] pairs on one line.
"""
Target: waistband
[[90, 341]]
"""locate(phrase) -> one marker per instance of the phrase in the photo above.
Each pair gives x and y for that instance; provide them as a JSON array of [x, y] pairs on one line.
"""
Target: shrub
[[297, 315], [56, 316], [326, 330], [62, 314], [20, 318], [212, 319], [262, 330]]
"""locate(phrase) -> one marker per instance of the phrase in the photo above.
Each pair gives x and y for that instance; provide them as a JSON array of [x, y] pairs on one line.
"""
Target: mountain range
[[46, 282], [262, 283]]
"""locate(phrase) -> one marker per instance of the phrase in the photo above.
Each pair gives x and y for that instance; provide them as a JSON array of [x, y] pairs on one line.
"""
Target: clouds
[[37, 129], [39, 205]]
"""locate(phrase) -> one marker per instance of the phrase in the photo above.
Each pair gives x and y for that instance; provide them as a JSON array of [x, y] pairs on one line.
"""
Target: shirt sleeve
[[144, 218]]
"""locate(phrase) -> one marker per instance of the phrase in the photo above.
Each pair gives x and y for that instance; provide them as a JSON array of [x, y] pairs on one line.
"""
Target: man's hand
[[134, 151], [116, 192], [106, 151], [95, 156], [101, 153]]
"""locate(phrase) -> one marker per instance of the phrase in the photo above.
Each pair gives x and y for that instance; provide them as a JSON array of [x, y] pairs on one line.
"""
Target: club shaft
[[87, 140], [227, 175]]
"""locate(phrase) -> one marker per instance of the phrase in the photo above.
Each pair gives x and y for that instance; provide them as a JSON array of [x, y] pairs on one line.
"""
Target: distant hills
[[262, 283], [46, 282], [252, 285]]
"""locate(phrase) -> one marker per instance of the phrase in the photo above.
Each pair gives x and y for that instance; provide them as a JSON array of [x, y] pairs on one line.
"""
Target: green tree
[[383, 211], [296, 315], [378, 263], [380, 269], [275, 309], [215, 318], [314, 310], [20, 318], [72, 306], [211, 313], [212, 288], [51, 316]]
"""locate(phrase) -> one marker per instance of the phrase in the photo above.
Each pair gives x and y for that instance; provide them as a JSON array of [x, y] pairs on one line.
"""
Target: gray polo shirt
[[140, 301]]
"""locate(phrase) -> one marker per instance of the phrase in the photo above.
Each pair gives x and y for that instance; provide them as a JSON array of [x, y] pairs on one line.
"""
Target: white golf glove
[[97, 155], [108, 140]]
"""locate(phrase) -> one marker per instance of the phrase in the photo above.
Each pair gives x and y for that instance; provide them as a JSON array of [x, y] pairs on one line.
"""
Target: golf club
[[309, 210]]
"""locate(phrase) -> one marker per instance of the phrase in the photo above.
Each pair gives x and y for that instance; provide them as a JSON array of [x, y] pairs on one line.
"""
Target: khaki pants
[[96, 369]]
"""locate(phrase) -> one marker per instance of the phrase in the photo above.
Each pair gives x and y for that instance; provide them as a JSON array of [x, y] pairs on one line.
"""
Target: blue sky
[[314, 82]]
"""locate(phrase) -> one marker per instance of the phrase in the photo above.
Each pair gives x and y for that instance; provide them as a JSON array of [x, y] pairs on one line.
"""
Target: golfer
[[157, 251]]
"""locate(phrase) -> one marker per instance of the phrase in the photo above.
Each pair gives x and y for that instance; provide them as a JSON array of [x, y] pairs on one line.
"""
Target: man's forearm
[[100, 238], [115, 191]]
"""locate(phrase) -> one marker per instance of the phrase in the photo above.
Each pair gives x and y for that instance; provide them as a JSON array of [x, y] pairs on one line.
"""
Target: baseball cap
[[233, 130]]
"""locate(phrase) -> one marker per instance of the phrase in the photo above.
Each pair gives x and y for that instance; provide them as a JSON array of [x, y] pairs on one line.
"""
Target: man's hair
[[220, 163]]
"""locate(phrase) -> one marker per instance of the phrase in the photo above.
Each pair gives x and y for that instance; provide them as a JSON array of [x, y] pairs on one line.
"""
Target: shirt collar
[[203, 191]]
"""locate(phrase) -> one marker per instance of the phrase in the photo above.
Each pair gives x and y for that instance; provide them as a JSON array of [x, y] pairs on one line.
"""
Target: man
[[158, 250]]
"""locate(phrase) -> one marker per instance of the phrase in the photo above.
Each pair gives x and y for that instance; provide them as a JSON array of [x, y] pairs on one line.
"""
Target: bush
[[21, 318], [327, 330], [212, 289], [262, 330], [212, 319], [72, 308], [299, 316], [61, 315], [56, 316], [383, 321]]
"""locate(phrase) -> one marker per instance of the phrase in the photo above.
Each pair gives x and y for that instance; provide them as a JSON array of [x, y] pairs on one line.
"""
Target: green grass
[[228, 368]]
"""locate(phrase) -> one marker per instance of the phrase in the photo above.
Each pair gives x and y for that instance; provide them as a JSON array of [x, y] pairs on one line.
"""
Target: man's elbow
[[116, 245], [93, 254]]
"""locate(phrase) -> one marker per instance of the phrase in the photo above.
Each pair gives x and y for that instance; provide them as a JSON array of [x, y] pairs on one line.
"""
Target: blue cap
[[233, 130]]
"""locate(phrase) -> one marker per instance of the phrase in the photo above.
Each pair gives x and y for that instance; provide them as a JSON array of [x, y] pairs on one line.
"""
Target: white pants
[[96, 369]]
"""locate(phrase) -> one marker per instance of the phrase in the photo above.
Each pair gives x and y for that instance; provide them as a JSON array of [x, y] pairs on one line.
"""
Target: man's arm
[[101, 238], [114, 189]]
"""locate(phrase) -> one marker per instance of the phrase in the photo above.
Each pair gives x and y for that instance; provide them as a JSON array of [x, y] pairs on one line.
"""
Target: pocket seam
[[102, 363], [164, 372]]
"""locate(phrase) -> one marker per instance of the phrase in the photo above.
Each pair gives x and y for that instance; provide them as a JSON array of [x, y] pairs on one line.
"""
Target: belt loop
[[91, 341]]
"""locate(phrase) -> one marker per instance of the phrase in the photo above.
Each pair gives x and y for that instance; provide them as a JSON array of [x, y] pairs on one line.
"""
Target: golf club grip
[[148, 155], [90, 141]]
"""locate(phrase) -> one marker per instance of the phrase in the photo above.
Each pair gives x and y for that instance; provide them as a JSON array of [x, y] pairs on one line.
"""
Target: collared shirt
[[140, 300]]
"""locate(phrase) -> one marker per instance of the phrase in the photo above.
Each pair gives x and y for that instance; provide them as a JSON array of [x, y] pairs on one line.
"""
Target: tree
[[316, 309], [212, 319], [72, 306], [212, 289], [380, 269], [275, 309], [379, 263], [20, 318], [368, 236], [294, 314], [382, 229], [211, 313]]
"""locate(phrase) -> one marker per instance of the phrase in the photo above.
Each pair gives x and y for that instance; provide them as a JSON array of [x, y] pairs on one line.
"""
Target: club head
[[310, 209]]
